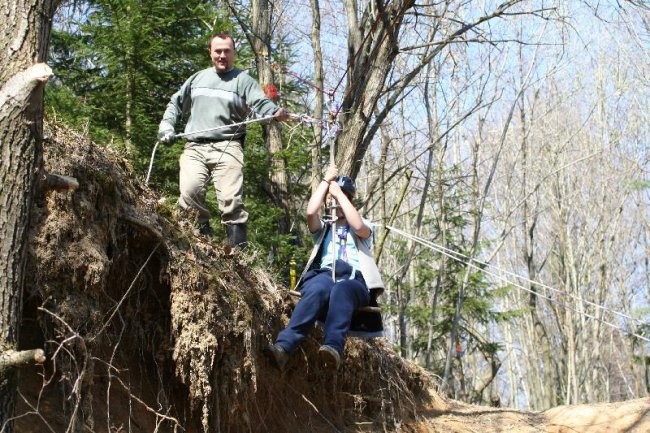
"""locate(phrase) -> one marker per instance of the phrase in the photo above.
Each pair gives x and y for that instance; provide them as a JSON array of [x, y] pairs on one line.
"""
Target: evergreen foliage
[[264, 213], [118, 62], [431, 280]]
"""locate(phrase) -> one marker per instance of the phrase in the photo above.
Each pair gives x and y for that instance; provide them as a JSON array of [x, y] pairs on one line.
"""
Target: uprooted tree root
[[148, 328]]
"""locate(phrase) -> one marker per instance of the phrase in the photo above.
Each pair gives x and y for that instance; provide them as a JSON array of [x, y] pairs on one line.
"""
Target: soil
[[149, 328]]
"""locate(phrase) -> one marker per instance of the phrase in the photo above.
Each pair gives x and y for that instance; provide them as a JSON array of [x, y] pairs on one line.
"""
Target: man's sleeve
[[255, 97], [179, 102]]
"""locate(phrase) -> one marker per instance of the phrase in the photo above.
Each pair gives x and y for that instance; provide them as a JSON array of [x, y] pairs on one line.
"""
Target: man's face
[[222, 52]]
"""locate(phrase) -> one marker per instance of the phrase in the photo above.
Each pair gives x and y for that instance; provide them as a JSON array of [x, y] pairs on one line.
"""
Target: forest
[[499, 147]]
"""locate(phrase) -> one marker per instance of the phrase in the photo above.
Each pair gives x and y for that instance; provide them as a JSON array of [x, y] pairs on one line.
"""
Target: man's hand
[[167, 137], [281, 114]]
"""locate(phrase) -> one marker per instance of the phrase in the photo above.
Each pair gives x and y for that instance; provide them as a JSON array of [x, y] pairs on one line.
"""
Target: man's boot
[[237, 235], [205, 229]]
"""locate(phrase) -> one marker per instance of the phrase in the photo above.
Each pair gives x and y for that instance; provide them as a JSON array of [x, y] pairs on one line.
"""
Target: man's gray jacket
[[213, 100]]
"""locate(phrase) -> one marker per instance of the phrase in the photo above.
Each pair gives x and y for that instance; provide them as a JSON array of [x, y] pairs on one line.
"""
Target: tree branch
[[58, 182], [14, 358], [18, 89]]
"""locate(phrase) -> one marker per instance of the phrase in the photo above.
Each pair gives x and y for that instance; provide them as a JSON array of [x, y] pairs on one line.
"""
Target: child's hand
[[331, 173]]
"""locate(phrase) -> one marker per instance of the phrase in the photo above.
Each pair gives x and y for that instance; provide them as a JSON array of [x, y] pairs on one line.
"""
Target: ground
[[148, 328]]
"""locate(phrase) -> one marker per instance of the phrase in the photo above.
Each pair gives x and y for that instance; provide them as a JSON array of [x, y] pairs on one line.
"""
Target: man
[[332, 301], [219, 99]]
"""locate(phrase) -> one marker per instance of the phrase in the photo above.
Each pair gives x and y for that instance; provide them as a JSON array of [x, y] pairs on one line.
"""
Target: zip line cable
[[462, 258]]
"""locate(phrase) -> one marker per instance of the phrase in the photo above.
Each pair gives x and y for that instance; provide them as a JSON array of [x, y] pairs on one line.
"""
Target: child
[[332, 301]]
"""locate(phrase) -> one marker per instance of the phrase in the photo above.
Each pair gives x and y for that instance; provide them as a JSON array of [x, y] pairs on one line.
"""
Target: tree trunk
[[371, 52], [316, 168], [27, 27], [261, 40]]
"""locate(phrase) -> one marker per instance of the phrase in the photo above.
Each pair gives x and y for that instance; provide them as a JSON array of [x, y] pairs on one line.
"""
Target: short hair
[[221, 35]]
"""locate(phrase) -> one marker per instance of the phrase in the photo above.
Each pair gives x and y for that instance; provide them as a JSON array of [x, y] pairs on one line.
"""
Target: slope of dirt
[[150, 329]]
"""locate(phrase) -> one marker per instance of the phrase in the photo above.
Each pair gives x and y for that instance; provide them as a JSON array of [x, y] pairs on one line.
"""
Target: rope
[[333, 113], [153, 154], [300, 118], [482, 266], [332, 140], [230, 125]]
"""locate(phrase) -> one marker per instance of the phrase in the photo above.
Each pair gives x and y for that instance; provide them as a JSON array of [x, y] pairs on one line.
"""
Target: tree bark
[[316, 168], [261, 41], [370, 60], [25, 37]]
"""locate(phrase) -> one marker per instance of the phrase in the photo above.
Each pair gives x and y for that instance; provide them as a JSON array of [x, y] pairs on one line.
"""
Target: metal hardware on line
[[369, 309], [332, 209]]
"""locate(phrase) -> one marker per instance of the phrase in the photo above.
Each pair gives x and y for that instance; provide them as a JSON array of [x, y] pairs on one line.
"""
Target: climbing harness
[[367, 320], [342, 234]]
